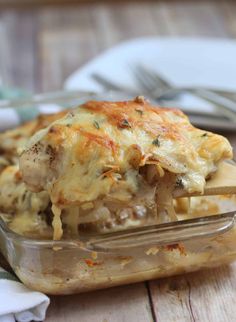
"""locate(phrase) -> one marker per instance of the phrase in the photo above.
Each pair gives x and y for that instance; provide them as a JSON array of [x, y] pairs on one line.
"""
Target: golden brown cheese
[[99, 149], [13, 140], [24, 211], [21, 208], [29, 213]]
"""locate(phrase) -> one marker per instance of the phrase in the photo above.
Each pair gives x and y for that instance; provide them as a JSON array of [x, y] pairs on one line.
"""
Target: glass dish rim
[[61, 94], [226, 222]]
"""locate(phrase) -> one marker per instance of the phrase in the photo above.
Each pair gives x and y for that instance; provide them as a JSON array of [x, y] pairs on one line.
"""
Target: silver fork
[[159, 90], [154, 84], [149, 80], [110, 85]]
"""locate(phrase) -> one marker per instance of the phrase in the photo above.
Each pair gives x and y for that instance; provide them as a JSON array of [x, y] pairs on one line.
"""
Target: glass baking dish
[[73, 266]]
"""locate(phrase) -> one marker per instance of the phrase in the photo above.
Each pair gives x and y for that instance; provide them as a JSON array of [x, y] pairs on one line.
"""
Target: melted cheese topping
[[21, 208], [110, 151], [12, 141], [101, 146], [56, 223], [14, 196]]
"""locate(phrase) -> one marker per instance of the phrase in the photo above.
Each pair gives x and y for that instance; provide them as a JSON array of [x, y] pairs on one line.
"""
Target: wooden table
[[41, 47]]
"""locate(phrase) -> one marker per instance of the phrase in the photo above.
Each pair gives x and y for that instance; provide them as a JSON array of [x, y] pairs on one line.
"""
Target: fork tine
[[142, 79], [147, 81], [105, 82], [152, 86], [148, 75], [156, 77]]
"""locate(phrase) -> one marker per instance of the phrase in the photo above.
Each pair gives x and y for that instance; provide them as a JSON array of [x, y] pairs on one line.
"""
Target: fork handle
[[225, 105], [109, 85]]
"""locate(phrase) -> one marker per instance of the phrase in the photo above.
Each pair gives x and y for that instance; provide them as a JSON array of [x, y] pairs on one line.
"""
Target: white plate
[[184, 61]]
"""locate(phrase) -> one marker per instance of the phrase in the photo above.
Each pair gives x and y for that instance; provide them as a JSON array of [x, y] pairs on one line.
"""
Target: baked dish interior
[[102, 167]]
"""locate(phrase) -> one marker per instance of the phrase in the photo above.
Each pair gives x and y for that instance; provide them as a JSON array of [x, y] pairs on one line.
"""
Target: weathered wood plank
[[18, 48], [202, 296], [128, 303], [192, 18], [46, 45], [66, 40]]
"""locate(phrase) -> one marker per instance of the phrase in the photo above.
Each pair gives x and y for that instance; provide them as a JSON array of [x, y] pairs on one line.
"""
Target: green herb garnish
[[139, 111], [179, 183], [95, 123], [204, 134], [156, 142], [125, 123]]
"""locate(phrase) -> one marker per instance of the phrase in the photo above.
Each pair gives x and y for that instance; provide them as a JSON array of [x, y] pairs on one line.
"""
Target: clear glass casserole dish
[[73, 266]]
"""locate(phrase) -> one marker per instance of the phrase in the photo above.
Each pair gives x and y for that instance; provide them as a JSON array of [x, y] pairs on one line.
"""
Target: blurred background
[[43, 42]]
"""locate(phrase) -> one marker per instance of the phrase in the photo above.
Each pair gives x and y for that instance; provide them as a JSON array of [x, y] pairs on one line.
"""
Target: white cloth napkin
[[18, 303]]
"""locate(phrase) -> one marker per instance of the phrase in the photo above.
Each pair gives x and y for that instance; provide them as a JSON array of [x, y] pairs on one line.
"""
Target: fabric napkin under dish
[[18, 303]]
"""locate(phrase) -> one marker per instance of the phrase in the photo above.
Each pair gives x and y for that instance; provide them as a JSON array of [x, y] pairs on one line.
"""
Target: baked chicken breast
[[12, 141], [26, 212], [116, 162]]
